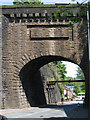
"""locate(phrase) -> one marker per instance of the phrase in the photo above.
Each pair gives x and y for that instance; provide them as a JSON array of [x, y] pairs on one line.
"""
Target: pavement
[[78, 112]]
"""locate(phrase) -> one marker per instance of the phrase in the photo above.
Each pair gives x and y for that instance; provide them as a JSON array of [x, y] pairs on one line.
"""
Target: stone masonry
[[52, 92], [31, 38], [0, 57]]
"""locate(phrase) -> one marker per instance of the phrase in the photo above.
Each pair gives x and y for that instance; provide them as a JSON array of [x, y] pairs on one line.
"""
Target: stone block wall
[[32, 38], [52, 92], [0, 58]]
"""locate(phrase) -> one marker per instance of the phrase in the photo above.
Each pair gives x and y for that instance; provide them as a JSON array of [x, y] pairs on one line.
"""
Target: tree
[[80, 74], [61, 68], [22, 2], [83, 87], [77, 88], [68, 83]]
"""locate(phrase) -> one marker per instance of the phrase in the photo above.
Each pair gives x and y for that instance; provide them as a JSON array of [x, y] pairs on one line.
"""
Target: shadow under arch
[[32, 81]]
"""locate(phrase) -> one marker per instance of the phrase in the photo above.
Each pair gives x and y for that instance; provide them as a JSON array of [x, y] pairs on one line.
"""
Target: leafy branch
[[81, 15], [27, 2]]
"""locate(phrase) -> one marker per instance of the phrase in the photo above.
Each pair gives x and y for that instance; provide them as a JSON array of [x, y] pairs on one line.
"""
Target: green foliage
[[73, 96], [75, 19], [53, 70], [80, 74], [70, 25], [81, 15], [83, 87], [26, 2], [68, 83], [63, 12], [16, 2], [61, 89], [61, 68], [77, 88], [81, 93]]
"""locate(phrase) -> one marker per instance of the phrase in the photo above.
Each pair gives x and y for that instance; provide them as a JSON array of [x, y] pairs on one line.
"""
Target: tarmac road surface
[[46, 112]]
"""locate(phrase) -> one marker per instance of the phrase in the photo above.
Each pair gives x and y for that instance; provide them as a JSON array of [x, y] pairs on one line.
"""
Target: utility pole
[[88, 49]]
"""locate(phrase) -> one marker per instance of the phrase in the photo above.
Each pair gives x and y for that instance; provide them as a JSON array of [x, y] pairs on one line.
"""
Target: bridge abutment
[[37, 36]]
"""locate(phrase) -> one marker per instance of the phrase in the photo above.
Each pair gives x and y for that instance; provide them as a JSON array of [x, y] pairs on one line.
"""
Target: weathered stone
[[28, 45]]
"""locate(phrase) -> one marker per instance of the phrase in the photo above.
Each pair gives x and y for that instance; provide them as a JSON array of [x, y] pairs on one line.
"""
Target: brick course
[[31, 40]]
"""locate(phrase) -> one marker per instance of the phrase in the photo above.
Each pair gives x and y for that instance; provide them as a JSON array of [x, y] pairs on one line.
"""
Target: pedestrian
[[62, 100], [78, 104]]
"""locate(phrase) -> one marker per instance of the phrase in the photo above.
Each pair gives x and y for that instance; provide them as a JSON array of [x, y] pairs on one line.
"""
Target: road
[[49, 111]]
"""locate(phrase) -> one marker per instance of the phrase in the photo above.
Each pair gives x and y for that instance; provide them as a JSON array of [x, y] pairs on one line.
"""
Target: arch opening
[[33, 81]]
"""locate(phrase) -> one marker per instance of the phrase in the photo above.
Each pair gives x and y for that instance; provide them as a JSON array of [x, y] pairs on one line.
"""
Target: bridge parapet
[[43, 13]]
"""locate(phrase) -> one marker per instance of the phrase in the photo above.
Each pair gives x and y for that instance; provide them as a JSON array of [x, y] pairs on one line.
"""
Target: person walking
[[62, 99]]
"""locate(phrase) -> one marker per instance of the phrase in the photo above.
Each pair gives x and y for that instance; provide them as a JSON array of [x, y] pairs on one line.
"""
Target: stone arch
[[22, 101], [24, 60], [31, 78]]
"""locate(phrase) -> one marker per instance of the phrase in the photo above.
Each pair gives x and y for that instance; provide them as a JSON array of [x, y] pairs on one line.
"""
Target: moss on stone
[[41, 5]]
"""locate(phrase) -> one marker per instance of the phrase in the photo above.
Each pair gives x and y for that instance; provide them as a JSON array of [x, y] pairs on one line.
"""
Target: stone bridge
[[31, 38]]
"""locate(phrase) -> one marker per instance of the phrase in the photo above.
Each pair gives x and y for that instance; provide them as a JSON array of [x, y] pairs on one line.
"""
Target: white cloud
[[71, 69], [5, 1], [62, 1]]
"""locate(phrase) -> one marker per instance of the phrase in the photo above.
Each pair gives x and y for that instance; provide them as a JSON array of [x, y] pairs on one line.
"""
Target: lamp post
[[89, 52]]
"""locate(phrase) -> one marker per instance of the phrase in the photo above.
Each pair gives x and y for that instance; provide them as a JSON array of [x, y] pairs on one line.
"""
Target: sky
[[70, 67], [9, 2]]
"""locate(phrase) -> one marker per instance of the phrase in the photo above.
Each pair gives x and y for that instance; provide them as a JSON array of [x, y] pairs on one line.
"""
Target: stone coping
[[39, 6]]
